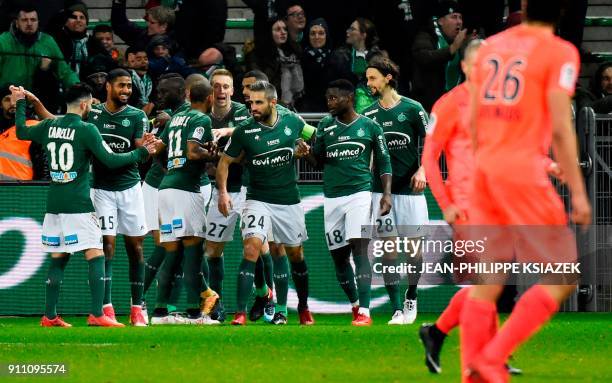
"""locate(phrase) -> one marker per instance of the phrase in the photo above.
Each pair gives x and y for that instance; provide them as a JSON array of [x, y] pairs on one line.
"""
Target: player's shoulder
[[200, 117], [133, 111], [97, 108], [410, 104], [453, 96], [327, 120], [246, 125], [367, 122], [371, 109]]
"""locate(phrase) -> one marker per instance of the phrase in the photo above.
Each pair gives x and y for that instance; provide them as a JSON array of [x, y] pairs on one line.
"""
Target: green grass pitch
[[574, 347]]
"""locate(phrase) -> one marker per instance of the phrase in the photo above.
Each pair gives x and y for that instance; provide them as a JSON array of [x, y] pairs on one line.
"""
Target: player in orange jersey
[[524, 79]]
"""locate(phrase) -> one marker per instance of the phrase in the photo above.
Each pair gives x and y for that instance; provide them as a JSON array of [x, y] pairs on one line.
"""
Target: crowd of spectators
[[48, 45]]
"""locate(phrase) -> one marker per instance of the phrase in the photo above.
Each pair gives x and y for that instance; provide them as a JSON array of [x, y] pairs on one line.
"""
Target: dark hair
[[546, 11], [77, 92], [167, 76], [175, 79], [200, 91], [385, 66], [115, 73], [134, 49], [103, 28], [367, 26], [259, 75], [25, 7], [343, 85], [595, 82], [266, 87]]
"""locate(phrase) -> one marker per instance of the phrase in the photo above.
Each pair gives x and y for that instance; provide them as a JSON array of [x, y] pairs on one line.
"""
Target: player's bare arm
[[418, 182], [564, 148], [225, 202], [196, 151]]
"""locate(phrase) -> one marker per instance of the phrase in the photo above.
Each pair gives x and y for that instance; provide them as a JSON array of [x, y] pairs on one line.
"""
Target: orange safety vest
[[15, 161]]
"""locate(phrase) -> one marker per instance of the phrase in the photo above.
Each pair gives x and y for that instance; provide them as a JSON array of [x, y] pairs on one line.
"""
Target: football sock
[[363, 276], [166, 275], [344, 272], [532, 310], [392, 283], [217, 273], [281, 279], [108, 280], [268, 269], [176, 288], [152, 265], [280, 309], [96, 284], [136, 278], [449, 319], [55, 276], [478, 322], [261, 289], [299, 274], [194, 281], [246, 275], [205, 267], [413, 278]]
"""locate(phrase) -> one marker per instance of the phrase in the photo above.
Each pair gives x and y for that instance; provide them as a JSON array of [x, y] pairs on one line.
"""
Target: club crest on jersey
[[126, 123], [402, 117], [287, 131], [63, 177], [360, 132]]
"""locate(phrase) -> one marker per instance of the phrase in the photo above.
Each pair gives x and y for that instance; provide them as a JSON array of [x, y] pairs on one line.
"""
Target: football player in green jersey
[[346, 142], [266, 141], [117, 193], [403, 121], [225, 115], [188, 140], [70, 224], [171, 95]]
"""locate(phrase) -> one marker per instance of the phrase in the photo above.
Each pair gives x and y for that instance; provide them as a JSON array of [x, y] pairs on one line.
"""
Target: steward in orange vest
[[15, 159]]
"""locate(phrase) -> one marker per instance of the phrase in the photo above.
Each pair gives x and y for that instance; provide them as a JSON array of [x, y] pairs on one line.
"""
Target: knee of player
[[295, 254], [214, 249], [251, 252]]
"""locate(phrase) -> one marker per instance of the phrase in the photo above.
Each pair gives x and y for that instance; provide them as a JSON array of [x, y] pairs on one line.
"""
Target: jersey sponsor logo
[[62, 133], [254, 130], [387, 123], [71, 239], [257, 137], [198, 133], [50, 241], [345, 150], [567, 79], [177, 223], [97, 111], [63, 177], [179, 121], [370, 112], [274, 142], [126, 123], [165, 229], [287, 131], [344, 138], [360, 132], [330, 128], [274, 158], [397, 140], [108, 126], [402, 117], [116, 143], [176, 163], [241, 118]]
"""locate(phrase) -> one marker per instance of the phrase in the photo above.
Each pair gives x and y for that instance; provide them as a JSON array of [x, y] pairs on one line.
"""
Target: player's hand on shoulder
[[223, 132], [161, 119]]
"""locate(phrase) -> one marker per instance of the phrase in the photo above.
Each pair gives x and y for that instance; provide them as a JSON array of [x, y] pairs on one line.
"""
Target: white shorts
[[181, 214], [69, 233], [120, 212], [220, 228], [347, 217], [206, 191], [286, 222], [151, 195], [408, 214]]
